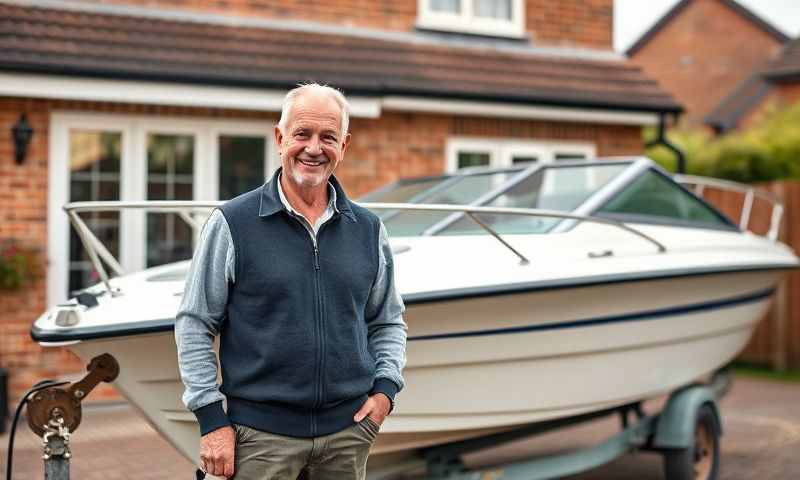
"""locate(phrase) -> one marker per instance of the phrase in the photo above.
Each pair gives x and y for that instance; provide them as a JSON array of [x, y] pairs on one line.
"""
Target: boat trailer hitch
[[55, 413]]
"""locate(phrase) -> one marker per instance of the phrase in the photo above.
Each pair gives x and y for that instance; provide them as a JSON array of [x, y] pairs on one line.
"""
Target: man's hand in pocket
[[217, 450]]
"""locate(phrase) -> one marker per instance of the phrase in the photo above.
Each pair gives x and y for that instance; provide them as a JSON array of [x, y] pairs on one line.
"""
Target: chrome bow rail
[[699, 185], [98, 253], [95, 248]]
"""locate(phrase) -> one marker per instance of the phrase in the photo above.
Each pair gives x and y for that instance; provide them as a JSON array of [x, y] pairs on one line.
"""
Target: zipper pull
[[316, 258]]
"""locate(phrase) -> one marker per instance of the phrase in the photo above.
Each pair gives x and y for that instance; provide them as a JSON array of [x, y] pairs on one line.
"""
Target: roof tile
[[47, 40]]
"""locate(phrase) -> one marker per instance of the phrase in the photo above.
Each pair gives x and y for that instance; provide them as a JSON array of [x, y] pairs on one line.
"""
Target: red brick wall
[[703, 53], [406, 145], [564, 22], [396, 145], [586, 23], [23, 210]]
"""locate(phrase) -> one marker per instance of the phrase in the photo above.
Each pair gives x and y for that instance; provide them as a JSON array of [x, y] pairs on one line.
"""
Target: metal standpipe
[[56, 466], [56, 450]]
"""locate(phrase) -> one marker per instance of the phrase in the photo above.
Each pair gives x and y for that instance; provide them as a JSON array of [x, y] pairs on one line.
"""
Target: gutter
[[661, 139]]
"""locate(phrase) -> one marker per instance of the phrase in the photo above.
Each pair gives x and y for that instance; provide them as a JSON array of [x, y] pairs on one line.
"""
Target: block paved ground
[[762, 441]]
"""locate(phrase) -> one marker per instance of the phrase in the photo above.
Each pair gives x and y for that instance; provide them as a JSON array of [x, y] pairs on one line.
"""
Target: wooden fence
[[776, 342]]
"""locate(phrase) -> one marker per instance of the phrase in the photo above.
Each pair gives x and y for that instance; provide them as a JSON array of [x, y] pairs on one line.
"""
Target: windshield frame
[[561, 225], [591, 206]]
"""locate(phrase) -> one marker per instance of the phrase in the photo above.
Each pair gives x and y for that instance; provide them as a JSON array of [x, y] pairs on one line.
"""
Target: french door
[[114, 157]]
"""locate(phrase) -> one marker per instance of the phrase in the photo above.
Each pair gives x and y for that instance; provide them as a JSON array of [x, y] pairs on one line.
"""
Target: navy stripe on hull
[[630, 317], [168, 324], [585, 282]]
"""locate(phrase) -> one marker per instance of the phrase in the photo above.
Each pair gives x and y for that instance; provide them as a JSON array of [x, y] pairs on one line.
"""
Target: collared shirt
[[326, 215], [205, 297]]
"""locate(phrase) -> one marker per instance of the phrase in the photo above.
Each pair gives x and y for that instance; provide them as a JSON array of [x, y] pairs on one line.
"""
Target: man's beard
[[311, 180]]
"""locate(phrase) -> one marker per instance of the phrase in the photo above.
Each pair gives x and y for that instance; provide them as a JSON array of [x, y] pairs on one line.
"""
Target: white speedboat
[[532, 294]]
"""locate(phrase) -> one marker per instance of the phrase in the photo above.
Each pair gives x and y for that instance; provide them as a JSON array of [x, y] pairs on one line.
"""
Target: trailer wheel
[[701, 460]]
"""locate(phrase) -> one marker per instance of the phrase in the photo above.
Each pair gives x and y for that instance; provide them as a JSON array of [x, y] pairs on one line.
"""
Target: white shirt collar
[[331, 198]]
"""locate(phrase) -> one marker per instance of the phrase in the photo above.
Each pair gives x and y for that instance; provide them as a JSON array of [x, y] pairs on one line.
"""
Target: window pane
[[499, 9], [562, 189], [403, 192], [241, 164], [170, 168], [473, 159], [170, 154], [463, 192], [169, 239], [94, 158], [653, 195], [570, 156], [448, 6], [518, 160]]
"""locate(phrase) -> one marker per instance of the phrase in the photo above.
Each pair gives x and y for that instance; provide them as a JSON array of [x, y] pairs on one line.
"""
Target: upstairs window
[[465, 152], [501, 18]]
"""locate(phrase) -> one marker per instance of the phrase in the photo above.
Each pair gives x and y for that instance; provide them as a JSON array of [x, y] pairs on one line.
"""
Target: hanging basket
[[18, 265]]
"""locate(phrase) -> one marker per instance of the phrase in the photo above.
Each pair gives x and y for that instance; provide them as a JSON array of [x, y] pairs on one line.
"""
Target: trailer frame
[[671, 431]]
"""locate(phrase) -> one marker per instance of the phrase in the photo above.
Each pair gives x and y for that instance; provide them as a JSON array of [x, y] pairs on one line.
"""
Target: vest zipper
[[320, 322], [320, 343]]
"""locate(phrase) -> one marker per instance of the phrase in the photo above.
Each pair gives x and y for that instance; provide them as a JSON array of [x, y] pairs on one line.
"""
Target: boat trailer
[[686, 432]]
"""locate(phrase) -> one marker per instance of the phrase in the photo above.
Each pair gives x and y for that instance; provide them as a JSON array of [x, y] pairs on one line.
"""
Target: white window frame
[[501, 150], [467, 22], [133, 177]]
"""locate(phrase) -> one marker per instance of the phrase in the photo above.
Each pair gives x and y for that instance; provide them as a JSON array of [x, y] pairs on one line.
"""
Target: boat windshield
[[451, 190], [557, 187]]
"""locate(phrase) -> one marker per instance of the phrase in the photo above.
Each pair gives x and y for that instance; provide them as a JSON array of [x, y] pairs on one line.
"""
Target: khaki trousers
[[339, 456]]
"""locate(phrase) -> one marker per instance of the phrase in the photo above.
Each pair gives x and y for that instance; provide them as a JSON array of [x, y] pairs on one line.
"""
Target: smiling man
[[298, 283]]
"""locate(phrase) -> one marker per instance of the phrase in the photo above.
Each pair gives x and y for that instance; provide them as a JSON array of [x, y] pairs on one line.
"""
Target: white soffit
[[159, 93], [510, 110], [162, 93]]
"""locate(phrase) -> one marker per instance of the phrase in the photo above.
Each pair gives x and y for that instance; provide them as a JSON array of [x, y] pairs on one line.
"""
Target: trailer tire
[[700, 461]]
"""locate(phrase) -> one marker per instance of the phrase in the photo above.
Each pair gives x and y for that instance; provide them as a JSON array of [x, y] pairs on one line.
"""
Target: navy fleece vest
[[293, 347]]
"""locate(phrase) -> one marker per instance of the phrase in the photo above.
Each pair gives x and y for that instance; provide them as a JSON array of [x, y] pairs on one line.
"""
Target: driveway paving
[[761, 441]]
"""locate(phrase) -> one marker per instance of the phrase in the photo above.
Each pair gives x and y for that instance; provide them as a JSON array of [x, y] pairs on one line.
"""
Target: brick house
[[701, 50], [169, 99], [775, 85]]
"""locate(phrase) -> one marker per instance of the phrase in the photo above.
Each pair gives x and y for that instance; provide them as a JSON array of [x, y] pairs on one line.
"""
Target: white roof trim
[[159, 93], [178, 94], [509, 110]]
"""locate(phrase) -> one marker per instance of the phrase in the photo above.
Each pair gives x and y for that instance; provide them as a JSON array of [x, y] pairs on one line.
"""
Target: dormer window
[[499, 18]]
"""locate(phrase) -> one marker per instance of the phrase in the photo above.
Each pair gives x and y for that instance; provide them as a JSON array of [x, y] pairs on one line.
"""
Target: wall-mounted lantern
[[21, 132]]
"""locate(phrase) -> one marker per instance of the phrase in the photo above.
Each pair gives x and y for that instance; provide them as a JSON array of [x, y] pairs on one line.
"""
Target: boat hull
[[492, 362]]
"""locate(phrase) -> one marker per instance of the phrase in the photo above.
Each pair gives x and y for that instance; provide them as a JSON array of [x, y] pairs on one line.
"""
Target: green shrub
[[744, 161], [767, 151]]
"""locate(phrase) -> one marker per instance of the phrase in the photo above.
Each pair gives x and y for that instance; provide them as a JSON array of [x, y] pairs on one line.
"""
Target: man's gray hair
[[333, 93]]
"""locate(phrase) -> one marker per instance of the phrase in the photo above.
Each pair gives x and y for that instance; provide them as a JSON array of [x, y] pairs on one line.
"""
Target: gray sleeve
[[199, 318], [386, 329]]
